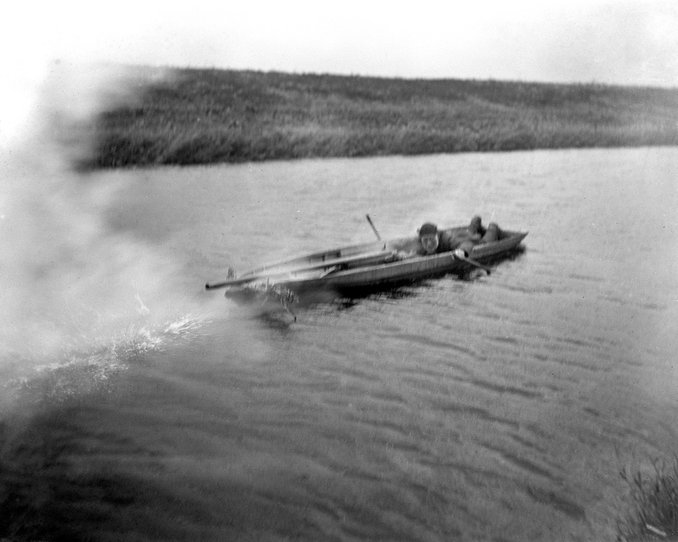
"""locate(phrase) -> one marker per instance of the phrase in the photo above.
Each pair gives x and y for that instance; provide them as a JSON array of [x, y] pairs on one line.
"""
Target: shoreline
[[85, 166], [200, 116]]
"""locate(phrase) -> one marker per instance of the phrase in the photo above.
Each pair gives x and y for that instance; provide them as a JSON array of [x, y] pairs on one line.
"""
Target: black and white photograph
[[339, 271]]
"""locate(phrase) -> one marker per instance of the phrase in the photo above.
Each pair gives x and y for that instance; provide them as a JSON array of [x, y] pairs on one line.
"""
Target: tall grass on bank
[[201, 116], [654, 499]]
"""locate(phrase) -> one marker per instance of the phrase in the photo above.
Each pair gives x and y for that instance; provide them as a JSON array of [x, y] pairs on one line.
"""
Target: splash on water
[[81, 300], [92, 366]]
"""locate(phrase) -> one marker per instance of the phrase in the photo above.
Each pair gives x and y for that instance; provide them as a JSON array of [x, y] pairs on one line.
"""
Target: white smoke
[[68, 281]]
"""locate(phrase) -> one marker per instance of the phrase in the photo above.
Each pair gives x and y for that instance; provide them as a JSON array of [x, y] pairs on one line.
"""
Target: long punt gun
[[357, 260]]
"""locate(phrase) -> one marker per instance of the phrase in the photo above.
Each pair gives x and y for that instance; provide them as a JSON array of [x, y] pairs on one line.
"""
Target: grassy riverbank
[[201, 116], [654, 498]]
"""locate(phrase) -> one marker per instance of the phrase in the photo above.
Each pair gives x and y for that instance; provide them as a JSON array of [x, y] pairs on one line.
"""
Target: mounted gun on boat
[[379, 264]]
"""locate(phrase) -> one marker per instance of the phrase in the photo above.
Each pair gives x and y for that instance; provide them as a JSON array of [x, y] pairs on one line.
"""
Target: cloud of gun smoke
[[68, 281]]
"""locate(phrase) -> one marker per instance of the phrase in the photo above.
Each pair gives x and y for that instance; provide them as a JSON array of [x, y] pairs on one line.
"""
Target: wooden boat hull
[[406, 270], [375, 265]]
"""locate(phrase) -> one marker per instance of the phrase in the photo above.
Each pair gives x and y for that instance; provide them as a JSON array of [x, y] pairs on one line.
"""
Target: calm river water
[[137, 406]]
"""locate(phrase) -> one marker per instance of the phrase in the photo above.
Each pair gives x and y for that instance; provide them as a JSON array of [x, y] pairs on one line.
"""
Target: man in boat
[[433, 241]]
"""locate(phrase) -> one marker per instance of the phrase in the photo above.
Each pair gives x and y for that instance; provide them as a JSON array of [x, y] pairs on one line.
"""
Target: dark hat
[[476, 224], [428, 229]]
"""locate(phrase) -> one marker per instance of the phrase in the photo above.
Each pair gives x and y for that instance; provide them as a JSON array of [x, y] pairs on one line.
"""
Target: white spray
[[70, 285]]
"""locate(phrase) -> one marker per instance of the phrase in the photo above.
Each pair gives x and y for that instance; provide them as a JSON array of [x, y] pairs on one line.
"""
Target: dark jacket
[[448, 241]]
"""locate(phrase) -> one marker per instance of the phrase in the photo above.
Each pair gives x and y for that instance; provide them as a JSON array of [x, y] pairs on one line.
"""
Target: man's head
[[476, 225], [428, 237]]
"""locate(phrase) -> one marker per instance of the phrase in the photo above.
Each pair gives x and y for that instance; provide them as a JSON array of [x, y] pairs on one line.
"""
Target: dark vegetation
[[654, 504], [199, 116]]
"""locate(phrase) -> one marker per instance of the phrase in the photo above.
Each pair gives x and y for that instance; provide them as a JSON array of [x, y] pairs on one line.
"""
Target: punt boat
[[365, 267]]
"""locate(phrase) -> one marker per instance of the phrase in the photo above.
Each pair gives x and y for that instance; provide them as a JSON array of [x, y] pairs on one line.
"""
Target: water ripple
[[473, 412], [520, 462], [558, 502], [505, 388]]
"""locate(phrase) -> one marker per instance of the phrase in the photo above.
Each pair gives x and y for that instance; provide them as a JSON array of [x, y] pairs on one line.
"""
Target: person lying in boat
[[432, 240]]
